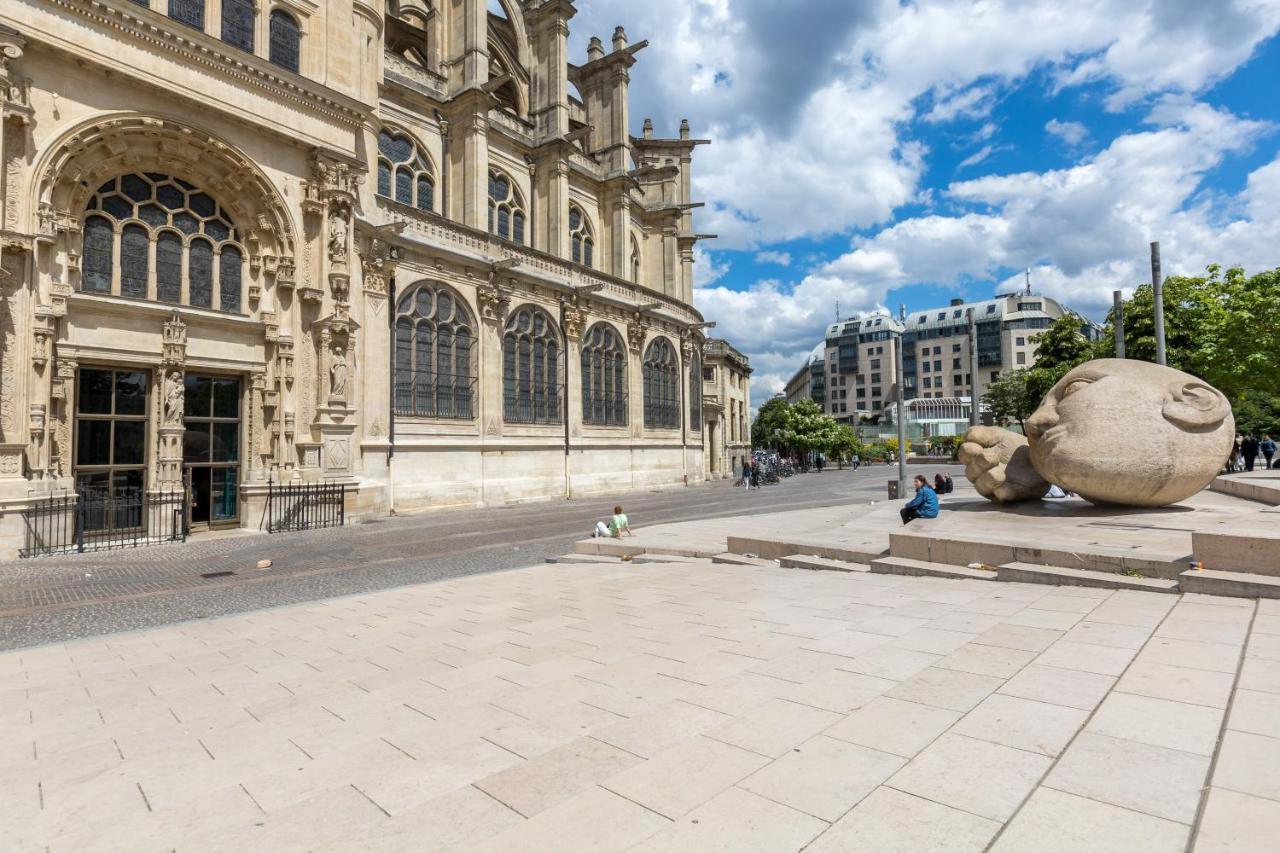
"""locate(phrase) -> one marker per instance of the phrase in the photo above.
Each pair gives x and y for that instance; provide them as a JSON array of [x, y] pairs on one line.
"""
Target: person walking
[[1236, 462], [1249, 450], [923, 505], [1268, 448]]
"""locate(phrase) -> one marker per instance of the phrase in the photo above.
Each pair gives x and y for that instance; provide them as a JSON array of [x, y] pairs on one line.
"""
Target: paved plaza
[[657, 707]]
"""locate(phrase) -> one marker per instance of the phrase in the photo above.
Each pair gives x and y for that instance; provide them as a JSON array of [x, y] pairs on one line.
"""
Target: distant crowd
[[1247, 449]]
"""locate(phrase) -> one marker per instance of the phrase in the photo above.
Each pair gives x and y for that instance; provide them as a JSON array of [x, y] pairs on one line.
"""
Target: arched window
[[434, 335], [404, 172], [695, 393], [635, 259], [580, 235], [661, 386], [286, 38], [237, 23], [189, 12], [604, 377], [147, 234], [506, 210], [531, 368]]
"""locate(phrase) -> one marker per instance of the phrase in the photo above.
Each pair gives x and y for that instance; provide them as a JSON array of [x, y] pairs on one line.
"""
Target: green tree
[[770, 422], [1063, 343], [1012, 397]]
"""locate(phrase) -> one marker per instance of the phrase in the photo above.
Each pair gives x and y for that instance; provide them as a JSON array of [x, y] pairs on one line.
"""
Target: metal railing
[[661, 414], [425, 395], [541, 405], [103, 521], [305, 506], [604, 410]]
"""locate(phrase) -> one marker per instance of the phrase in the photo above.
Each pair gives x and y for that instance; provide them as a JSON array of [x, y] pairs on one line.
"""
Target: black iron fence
[[102, 521], [305, 506], [424, 394], [540, 404], [604, 409]]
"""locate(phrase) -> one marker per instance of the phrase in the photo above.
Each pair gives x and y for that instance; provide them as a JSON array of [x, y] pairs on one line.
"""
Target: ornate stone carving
[[284, 359], [1094, 433], [574, 319], [338, 232], [15, 90], [174, 398], [173, 342], [43, 325], [338, 371], [286, 274], [637, 331], [494, 302]]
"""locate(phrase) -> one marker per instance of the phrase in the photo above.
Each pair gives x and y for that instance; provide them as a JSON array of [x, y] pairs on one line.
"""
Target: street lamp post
[[902, 419]]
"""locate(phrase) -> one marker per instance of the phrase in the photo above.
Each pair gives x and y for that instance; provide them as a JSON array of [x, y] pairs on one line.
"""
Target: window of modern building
[[149, 236], [937, 350], [1020, 357], [875, 377], [955, 364], [937, 366], [404, 173], [1030, 306], [875, 363], [875, 392], [955, 380], [604, 377], [189, 12], [583, 245], [862, 407], [844, 408], [709, 375], [506, 209], [285, 47], [434, 338], [927, 382], [661, 386], [925, 367], [531, 368], [237, 23], [955, 348], [991, 309]]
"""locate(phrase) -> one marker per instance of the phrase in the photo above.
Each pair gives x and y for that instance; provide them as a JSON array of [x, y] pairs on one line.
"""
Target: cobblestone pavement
[[658, 707], [54, 599]]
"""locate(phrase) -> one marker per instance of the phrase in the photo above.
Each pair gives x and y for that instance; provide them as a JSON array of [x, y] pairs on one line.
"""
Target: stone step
[[821, 564], [1057, 576], [1250, 545], [920, 568], [650, 557], [959, 549], [776, 549], [595, 559], [743, 560], [1234, 584], [607, 547]]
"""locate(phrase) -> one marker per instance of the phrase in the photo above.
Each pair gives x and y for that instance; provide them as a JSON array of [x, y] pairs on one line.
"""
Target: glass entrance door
[[111, 446], [211, 448]]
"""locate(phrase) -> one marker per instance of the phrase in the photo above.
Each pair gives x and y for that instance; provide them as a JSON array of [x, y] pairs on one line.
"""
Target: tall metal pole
[[1157, 296], [973, 369], [902, 419], [1117, 316]]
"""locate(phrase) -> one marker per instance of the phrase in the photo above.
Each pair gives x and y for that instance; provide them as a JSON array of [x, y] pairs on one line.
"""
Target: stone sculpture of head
[[1119, 431]]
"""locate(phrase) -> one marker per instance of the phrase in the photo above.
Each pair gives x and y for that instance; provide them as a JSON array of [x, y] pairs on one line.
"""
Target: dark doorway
[[211, 448]]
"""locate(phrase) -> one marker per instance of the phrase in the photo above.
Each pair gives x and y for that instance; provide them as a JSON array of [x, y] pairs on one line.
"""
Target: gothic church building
[[409, 246]]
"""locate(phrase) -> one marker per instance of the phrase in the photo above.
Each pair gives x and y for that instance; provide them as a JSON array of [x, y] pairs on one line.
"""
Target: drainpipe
[[564, 412]]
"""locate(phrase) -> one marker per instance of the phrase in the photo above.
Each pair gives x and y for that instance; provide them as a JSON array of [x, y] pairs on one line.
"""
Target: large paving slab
[[681, 706]]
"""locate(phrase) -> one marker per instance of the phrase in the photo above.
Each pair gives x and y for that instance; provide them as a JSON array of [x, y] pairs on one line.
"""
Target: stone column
[[574, 320], [493, 302], [637, 332], [171, 389]]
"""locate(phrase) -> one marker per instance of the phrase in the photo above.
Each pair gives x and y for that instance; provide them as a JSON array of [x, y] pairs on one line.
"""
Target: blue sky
[[878, 152]]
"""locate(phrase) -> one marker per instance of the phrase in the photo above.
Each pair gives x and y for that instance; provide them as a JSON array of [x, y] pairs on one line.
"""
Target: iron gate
[[305, 506], [102, 521]]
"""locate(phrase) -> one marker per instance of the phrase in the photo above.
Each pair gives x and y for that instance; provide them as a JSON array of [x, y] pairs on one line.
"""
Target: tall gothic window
[[189, 12], [506, 210], [531, 368], [434, 336], [237, 23], [404, 173], [695, 393], [286, 39], [661, 386], [604, 377], [150, 236], [580, 236]]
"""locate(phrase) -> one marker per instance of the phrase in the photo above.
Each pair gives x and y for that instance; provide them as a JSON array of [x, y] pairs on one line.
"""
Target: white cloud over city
[[825, 118]]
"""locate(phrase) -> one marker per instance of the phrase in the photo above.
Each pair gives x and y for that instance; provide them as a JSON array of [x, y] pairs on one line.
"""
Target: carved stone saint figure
[[174, 401], [338, 234], [1115, 431], [338, 374]]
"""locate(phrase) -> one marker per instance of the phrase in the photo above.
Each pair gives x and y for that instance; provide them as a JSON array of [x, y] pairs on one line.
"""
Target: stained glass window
[[604, 384], [580, 238], [200, 273], [399, 156], [135, 245], [237, 23], [230, 261], [433, 354], [97, 263], [285, 40], [531, 368], [506, 210], [189, 12], [169, 267], [661, 386]]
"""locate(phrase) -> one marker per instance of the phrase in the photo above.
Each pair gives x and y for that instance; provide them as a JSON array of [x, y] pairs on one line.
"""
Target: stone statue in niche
[[174, 400], [338, 374], [338, 233], [1115, 431]]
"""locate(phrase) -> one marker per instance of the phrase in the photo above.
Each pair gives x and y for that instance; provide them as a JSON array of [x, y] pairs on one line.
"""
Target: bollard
[[893, 489]]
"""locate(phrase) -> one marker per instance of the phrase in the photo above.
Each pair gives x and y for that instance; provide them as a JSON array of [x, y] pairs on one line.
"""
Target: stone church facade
[[406, 245]]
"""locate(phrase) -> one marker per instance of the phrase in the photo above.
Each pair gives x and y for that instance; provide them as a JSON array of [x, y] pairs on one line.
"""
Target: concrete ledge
[[921, 568], [1262, 486], [821, 564], [958, 550], [654, 557], [594, 559], [1235, 584], [741, 560], [1057, 576], [607, 547], [776, 549], [1251, 545]]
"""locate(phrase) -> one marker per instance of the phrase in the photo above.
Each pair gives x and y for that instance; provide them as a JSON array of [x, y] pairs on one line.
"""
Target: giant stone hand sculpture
[[1114, 431]]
